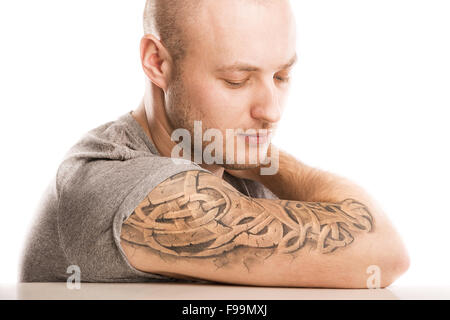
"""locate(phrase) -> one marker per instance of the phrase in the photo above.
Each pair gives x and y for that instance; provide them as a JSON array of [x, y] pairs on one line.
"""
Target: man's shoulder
[[106, 147], [120, 139]]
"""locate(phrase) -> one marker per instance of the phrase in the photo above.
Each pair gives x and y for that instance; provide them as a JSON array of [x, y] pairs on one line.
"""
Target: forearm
[[295, 180]]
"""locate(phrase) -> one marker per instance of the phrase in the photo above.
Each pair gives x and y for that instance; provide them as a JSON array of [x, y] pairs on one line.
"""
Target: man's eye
[[235, 84], [282, 79]]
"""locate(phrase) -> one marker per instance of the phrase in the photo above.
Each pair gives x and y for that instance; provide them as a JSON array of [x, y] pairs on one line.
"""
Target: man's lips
[[256, 139]]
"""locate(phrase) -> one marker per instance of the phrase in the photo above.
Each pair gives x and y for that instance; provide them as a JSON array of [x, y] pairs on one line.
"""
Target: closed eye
[[282, 79], [235, 84]]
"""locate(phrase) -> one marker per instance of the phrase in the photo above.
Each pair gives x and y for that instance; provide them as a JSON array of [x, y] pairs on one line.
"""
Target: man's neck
[[157, 132]]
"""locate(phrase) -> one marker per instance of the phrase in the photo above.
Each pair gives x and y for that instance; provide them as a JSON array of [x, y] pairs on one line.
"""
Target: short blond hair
[[168, 20], [164, 19]]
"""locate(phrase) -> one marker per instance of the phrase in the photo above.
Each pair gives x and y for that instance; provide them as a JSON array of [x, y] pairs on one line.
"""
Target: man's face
[[236, 71]]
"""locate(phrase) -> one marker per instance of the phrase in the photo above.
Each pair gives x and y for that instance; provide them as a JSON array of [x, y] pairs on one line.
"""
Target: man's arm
[[295, 180], [196, 225]]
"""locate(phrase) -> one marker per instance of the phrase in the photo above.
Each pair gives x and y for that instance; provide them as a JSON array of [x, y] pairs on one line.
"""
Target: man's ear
[[156, 61]]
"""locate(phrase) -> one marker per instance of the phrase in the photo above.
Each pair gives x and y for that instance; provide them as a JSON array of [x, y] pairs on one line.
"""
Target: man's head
[[223, 62]]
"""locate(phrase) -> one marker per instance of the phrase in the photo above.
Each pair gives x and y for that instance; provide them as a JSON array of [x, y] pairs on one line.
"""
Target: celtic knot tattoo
[[195, 214]]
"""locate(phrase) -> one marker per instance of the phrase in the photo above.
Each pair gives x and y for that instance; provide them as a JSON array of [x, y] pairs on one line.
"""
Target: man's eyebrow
[[249, 68], [290, 63], [238, 67]]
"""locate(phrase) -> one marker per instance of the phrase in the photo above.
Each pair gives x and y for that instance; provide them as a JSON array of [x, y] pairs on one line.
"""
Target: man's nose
[[266, 105]]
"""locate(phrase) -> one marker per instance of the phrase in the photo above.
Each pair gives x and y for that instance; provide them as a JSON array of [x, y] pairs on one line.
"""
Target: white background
[[369, 101]]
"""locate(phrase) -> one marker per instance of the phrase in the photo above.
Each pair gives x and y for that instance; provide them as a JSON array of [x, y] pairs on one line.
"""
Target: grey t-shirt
[[100, 182]]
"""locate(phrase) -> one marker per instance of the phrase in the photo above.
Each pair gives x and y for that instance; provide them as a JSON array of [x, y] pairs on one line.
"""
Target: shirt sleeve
[[94, 202]]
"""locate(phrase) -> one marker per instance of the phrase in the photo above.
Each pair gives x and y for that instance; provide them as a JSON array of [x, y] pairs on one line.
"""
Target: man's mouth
[[256, 139]]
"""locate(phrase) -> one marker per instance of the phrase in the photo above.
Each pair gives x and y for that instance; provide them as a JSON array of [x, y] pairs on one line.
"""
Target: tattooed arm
[[196, 225], [295, 180]]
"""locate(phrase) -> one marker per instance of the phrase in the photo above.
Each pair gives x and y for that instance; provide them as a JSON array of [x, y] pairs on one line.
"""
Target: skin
[[325, 231], [203, 91], [195, 221]]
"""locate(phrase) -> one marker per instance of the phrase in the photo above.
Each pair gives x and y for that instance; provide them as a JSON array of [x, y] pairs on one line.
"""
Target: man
[[122, 209]]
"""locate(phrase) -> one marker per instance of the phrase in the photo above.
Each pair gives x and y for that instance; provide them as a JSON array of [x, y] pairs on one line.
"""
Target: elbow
[[389, 255], [381, 267], [376, 272], [393, 267]]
